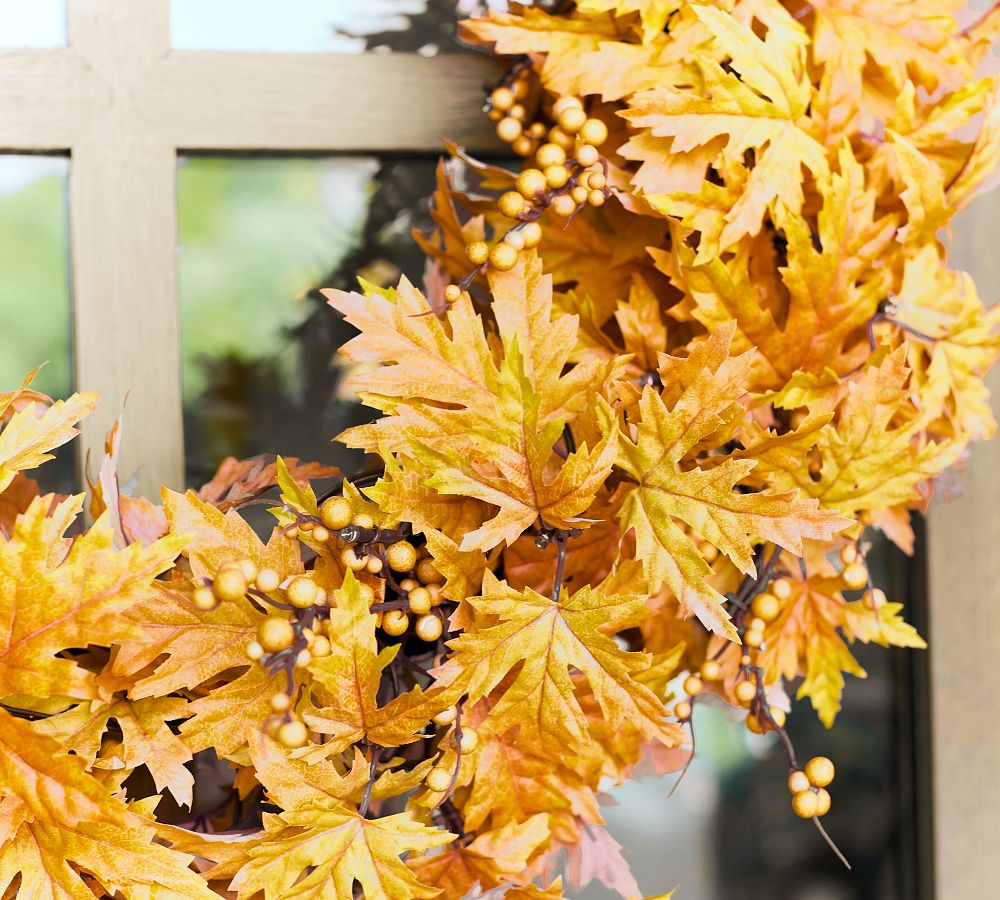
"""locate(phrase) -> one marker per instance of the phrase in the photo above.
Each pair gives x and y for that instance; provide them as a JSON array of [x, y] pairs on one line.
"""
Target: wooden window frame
[[123, 104]]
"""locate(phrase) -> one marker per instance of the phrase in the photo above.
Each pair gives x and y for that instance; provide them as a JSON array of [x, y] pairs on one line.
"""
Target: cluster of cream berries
[[808, 787], [567, 174], [420, 588]]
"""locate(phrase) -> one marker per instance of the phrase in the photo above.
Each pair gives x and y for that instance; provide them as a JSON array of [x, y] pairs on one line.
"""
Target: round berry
[[204, 599], [782, 589], [503, 258], [349, 557], [766, 607], [293, 734], [518, 111], [438, 779], [556, 176], [267, 579], [275, 634], [682, 710], [564, 206], [249, 569], [320, 535], [363, 520], [511, 204], [509, 129], [594, 131], [469, 741], [477, 252], [692, 685], [280, 702], [452, 293], [753, 638], [550, 155], [524, 146], [805, 804], [395, 622], [336, 513], [822, 802], [445, 717], [532, 234], [366, 593], [744, 692], [579, 194], [427, 573], [711, 670], [229, 583], [587, 155], [855, 576], [596, 198], [514, 238], [419, 600], [530, 183], [429, 628], [820, 771], [502, 98], [301, 592], [848, 554], [321, 646], [797, 782], [401, 555], [753, 723], [597, 181], [537, 130], [778, 714], [564, 103], [572, 120], [254, 650]]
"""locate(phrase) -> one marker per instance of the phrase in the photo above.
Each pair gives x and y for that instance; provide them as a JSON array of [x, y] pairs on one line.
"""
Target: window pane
[[34, 289], [32, 23], [317, 26], [728, 832], [257, 236]]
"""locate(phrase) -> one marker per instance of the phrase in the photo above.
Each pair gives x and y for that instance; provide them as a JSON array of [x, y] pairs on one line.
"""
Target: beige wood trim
[[48, 98], [123, 245], [319, 102], [964, 590]]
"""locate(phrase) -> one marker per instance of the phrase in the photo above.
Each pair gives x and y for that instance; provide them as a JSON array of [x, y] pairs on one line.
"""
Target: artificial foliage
[[632, 437]]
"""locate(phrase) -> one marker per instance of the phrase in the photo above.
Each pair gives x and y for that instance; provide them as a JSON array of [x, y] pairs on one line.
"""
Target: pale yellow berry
[[711, 670], [363, 520], [509, 129], [563, 206], [254, 650], [855, 576], [374, 565], [586, 155], [511, 204], [531, 182], [537, 130], [469, 741], [805, 804], [564, 103], [204, 599], [820, 771], [249, 569], [753, 724], [550, 155], [438, 779], [594, 131], [502, 98], [782, 589], [778, 715], [301, 592], [395, 622], [419, 600], [596, 198], [437, 598], [367, 593], [798, 782], [579, 194], [744, 692], [408, 584], [401, 555], [275, 634], [596, 180], [682, 710], [572, 120], [280, 702], [556, 176], [692, 685], [321, 646], [302, 659], [524, 146], [350, 558], [822, 802], [766, 607], [293, 734], [503, 258], [532, 234], [336, 513], [514, 238], [848, 554], [445, 717], [518, 111], [477, 252], [427, 573], [320, 535], [429, 628], [753, 638], [267, 580], [452, 293], [229, 584], [562, 138]]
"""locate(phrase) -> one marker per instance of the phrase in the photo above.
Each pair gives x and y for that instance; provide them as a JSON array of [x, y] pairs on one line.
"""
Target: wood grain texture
[[123, 238], [964, 591], [319, 102]]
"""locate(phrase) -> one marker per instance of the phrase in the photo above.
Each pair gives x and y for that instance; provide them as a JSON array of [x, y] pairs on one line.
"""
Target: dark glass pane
[[34, 289], [728, 833], [257, 236], [318, 26], [32, 23]]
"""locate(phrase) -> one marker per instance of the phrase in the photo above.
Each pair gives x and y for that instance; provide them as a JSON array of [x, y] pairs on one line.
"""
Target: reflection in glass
[[321, 26], [259, 344], [32, 23], [34, 289], [728, 832]]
